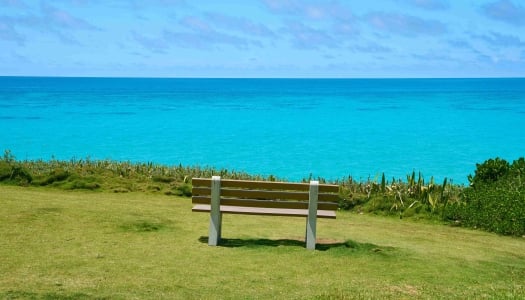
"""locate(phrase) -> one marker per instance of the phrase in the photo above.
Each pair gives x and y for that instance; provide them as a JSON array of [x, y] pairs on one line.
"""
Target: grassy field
[[95, 245]]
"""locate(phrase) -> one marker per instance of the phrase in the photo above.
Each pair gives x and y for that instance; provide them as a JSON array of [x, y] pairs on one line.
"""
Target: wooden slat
[[204, 191], [201, 182], [260, 194], [266, 185], [264, 194], [250, 184], [265, 211], [265, 203]]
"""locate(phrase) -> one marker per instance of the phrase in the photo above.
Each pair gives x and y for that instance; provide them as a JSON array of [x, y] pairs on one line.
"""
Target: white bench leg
[[214, 235], [311, 220]]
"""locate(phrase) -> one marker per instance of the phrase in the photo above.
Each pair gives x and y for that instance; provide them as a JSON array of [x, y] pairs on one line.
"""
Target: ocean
[[290, 128]]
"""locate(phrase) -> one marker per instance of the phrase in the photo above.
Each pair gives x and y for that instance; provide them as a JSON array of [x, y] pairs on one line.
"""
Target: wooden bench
[[218, 196]]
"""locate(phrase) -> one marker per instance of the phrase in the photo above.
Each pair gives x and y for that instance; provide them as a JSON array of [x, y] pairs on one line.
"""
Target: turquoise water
[[286, 127]]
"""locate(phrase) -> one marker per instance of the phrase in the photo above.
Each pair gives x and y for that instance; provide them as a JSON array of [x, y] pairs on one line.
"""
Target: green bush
[[56, 175], [14, 173], [518, 167], [180, 190], [496, 200], [489, 171]]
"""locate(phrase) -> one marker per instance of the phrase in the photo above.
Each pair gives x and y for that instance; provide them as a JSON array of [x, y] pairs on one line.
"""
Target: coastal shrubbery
[[107, 175], [414, 197], [494, 201]]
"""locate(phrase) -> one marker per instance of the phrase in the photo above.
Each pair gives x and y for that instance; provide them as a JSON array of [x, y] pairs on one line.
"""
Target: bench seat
[[242, 210], [218, 196]]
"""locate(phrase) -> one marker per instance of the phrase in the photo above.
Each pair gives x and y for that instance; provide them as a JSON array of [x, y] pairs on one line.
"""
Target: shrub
[[180, 190], [496, 200], [55, 176], [489, 171], [13, 172], [518, 167]]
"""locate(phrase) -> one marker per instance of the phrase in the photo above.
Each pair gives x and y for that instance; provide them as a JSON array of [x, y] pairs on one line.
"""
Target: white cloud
[[430, 4], [310, 10], [404, 24], [501, 40], [305, 37], [505, 11], [239, 24]]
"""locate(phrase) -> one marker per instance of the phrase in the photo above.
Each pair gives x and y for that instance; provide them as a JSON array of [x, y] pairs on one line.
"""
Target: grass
[[58, 244]]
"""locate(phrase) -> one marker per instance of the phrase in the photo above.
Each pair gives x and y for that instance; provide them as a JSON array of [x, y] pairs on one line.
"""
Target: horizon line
[[226, 77]]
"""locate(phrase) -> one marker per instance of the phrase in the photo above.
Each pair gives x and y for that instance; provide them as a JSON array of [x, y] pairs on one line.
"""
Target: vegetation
[[106, 175], [81, 244], [413, 198], [495, 200]]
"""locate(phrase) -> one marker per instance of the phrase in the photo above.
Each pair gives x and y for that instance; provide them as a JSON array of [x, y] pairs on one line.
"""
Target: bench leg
[[311, 220], [214, 235]]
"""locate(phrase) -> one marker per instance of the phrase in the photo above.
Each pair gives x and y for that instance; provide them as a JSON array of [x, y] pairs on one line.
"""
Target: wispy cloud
[[158, 45], [501, 40], [314, 25], [404, 24], [59, 18], [432, 56], [505, 11], [202, 41], [306, 37], [9, 33], [460, 43], [48, 20], [202, 35], [239, 24], [372, 47], [317, 11], [430, 4], [13, 3]]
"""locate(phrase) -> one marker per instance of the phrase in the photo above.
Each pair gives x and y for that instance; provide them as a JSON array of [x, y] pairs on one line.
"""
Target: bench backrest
[[267, 194]]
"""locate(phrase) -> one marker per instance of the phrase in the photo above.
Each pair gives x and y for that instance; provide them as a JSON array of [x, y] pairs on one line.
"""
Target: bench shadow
[[320, 245]]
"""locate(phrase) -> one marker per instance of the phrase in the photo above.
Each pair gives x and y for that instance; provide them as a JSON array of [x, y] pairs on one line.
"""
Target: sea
[[288, 128]]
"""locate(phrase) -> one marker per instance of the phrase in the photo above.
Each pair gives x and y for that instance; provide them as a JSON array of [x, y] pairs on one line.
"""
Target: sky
[[263, 38]]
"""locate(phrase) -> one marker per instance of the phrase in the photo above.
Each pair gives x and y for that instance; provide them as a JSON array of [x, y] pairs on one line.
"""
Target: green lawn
[[92, 245]]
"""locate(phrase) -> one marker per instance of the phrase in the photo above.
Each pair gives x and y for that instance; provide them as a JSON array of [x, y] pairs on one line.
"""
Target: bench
[[219, 196]]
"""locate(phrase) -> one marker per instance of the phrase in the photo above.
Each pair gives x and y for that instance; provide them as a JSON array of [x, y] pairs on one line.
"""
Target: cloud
[[196, 24], [239, 24], [430, 4], [316, 11], [203, 40], [64, 20], [432, 56], [372, 47], [345, 29], [314, 25], [158, 45], [49, 19], [305, 37], [13, 3], [200, 33], [501, 40], [460, 43], [8, 32], [142, 3], [203, 36], [505, 11], [404, 24]]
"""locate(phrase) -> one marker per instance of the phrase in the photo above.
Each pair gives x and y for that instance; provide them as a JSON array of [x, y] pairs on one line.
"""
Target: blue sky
[[263, 38]]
